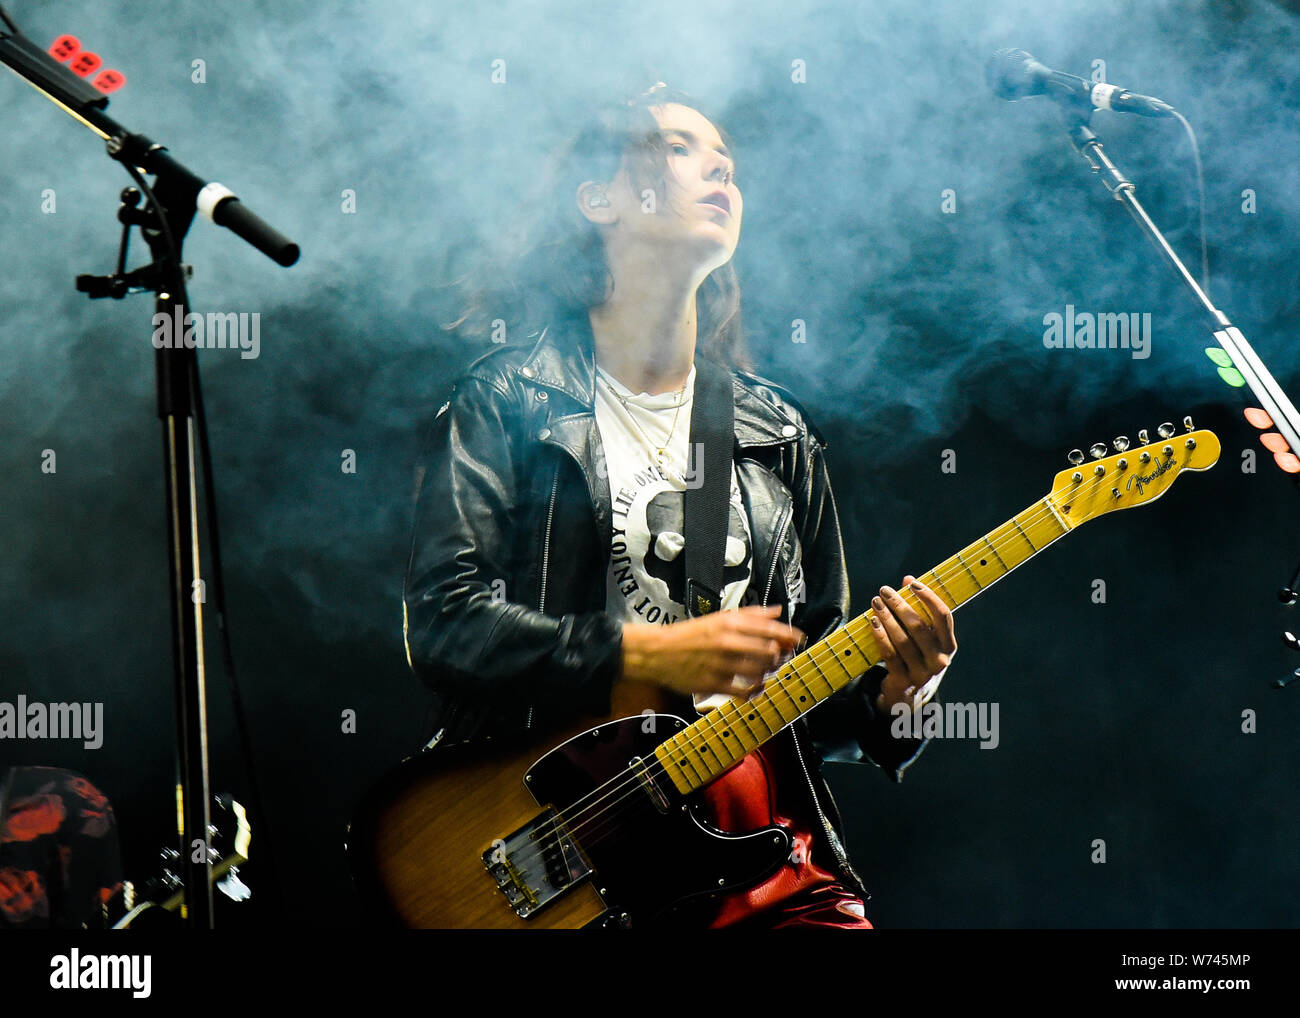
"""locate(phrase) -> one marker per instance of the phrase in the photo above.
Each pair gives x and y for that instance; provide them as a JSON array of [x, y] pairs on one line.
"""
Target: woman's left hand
[[915, 649]]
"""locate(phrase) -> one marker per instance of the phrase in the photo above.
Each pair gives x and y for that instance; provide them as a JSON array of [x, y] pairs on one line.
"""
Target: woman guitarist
[[546, 563]]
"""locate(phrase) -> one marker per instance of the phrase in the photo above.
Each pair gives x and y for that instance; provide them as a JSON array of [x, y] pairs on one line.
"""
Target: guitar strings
[[632, 780], [607, 813], [712, 718], [1043, 509]]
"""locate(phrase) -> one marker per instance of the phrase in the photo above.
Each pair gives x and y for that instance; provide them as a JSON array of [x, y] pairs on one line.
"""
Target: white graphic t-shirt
[[646, 583]]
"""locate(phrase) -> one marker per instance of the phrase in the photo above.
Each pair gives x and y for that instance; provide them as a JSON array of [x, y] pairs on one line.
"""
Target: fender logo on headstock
[[1141, 479]]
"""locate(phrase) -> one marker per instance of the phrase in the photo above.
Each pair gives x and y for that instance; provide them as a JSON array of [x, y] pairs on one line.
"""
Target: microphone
[[1014, 74]]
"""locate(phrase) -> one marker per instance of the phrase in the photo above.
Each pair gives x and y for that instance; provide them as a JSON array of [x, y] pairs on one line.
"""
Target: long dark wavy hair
[[553, 267]]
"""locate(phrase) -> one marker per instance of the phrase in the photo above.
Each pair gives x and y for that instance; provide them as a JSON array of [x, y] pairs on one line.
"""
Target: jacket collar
[[563, 359]]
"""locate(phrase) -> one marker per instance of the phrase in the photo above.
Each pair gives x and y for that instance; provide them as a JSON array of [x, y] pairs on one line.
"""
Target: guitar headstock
[[1132, 476]]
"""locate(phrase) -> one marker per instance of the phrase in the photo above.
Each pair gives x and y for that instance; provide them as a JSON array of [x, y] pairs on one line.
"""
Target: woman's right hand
[[723, 652]]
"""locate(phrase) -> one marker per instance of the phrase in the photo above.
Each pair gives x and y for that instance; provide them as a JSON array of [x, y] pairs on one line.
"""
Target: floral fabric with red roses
[[59, 858]]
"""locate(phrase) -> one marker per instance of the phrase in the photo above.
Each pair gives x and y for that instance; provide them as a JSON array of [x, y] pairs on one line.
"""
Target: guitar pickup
[[648, 785]]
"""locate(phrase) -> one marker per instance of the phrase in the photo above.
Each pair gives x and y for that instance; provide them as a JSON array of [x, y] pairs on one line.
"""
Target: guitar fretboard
[[704, 750]]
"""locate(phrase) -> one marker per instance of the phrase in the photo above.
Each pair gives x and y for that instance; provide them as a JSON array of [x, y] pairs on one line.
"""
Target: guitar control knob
[[1098, 450], [1165, 430], [1187, 423], [1143, 437], [1120, 443], [1076, 456]]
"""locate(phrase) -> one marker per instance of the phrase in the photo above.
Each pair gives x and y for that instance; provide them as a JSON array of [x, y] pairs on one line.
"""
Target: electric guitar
[[598, 826]]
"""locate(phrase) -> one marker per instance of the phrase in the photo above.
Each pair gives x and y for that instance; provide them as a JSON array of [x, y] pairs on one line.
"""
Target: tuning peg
[[1098, 450], [1143, 437], [1120, 443], [1290, 640], [1165, 430], [1076, 456], [1187, 423]]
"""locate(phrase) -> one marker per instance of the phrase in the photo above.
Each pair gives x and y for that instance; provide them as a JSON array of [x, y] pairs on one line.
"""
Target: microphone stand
[[172, 201], [1265, 387]]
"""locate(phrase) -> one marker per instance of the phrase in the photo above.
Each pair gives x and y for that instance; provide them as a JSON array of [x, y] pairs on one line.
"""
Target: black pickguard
[[648, 864]]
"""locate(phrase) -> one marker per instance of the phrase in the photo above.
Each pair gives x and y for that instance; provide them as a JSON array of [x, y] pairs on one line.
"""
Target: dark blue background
[[1119, 721]]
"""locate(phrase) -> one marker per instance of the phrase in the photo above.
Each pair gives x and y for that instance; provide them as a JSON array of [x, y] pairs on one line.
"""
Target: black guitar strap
[[708, 486]]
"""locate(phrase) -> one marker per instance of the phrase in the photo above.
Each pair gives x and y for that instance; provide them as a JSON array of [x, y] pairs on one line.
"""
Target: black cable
[[211, 527], [219, 601]]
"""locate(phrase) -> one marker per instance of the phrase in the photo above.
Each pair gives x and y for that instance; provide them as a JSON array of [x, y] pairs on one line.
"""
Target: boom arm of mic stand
[[85, 104], [1265, 387]]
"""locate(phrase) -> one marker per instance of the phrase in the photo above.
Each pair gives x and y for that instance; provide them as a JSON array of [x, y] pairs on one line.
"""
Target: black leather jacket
[[505, 591]]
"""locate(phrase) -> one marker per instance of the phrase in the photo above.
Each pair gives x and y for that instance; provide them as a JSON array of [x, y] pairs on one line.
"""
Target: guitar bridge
[[536, 863]]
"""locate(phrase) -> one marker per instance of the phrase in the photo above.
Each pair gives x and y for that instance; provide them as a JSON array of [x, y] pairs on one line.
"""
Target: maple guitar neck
[[704, 750]]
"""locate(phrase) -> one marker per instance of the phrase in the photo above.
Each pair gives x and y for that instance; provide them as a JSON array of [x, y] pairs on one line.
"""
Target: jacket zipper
[[776, 553], [831, 837], [546, 561], [546, 543]]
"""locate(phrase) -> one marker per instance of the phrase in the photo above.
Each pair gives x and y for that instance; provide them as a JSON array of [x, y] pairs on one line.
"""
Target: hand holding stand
[[172, 201], [1265, 387]]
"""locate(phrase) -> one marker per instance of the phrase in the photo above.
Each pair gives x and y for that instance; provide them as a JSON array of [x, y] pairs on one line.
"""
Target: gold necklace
[[660, 450]]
